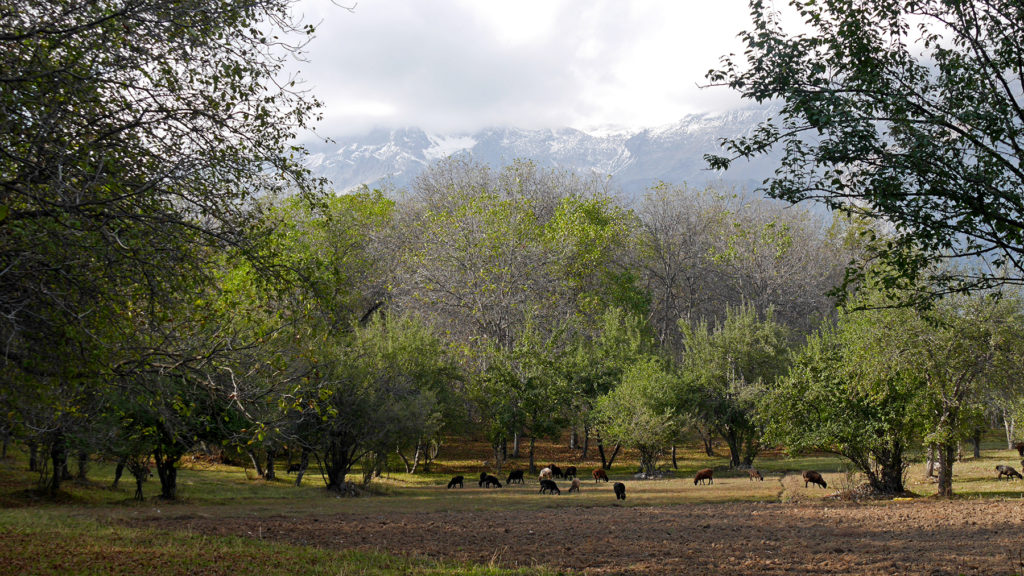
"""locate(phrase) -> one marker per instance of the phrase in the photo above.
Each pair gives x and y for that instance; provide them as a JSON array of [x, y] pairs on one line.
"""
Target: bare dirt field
[[920, 537]]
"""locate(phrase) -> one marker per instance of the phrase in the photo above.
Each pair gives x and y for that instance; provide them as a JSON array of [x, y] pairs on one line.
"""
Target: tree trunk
[[433, 449], [83, 465], [515, 445], [1009, 425], [166, 468], [255, 462], [303, 463], [270, 475], [58, 456], [337, 463], [648, 462], [611, 461], [947, 453], [586, 441], [976, 441], [572, 439], [119, 470], [707, 440], [499, 452], [600, 450], [533, 466], [734, 447], [33, 456]]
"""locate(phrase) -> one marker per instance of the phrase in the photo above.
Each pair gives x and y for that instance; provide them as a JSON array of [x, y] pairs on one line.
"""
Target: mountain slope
[[634, 160]]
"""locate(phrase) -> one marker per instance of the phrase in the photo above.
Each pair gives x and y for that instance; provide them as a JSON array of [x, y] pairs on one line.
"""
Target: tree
[[726, 369], [962, 347], [376, 389], [640, 412], [842, 396], [136, 140], [907, 111]]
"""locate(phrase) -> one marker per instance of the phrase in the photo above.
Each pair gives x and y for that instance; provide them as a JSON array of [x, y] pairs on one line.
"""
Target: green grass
[[49, 541], [83, 531]]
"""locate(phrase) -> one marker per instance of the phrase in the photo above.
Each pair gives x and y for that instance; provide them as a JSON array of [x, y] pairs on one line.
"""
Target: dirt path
[[913, 538]]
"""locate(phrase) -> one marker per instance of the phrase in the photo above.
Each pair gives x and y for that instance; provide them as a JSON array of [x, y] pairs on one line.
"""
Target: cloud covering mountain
[[635, 160]]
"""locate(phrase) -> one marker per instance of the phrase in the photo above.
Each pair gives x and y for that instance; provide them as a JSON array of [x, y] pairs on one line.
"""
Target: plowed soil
[[804, 537]]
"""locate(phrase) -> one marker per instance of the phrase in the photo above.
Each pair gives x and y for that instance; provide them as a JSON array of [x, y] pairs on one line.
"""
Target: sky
[[456, 66]]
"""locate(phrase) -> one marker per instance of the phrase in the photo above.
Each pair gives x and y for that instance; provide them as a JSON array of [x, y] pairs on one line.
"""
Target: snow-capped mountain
[[635, 160]]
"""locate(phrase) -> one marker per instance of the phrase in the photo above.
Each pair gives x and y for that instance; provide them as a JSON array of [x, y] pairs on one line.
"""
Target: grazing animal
[[489, 481], [755, 474], [570, 472], [600, 474], [620, 490], [1020, 447], [456, 481], [550, 487], [515, 477], [556, 472], [545, 474], [812, 477], [294, 468], [575, 486], [705, 474], [1007, 471], [483, 475]]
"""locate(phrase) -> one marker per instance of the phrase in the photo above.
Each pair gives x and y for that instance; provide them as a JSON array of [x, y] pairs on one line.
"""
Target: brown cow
[[705, 474], [812, 477], [600, 474]]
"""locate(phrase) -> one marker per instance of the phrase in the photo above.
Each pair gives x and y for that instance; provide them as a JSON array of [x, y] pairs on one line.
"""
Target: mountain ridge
[[633, 159]]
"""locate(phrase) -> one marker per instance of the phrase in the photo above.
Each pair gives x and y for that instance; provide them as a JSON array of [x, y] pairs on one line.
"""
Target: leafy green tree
[[907, 111], [383, 386], [726, 369], [135, 142], [601, 348], [640, 413], [842, 396]]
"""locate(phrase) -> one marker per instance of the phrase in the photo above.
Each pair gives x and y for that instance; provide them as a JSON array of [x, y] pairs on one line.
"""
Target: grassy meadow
[[87, 529]]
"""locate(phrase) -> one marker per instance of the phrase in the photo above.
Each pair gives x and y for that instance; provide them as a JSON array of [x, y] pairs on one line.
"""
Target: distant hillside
[[634, 160]]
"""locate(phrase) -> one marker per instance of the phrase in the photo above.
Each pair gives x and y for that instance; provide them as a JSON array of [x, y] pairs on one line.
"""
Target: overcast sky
[[461, 65]]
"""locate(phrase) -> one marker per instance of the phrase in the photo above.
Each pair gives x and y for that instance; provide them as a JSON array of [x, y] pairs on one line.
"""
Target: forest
[[174, 281]]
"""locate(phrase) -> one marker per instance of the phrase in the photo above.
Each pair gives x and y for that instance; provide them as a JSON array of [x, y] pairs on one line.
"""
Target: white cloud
[[459, 65]]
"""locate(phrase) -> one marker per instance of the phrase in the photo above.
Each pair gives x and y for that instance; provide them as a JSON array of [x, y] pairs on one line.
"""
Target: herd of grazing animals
[[706, 475]]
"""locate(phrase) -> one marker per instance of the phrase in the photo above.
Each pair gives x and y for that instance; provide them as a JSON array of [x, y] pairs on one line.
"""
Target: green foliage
[[639, 413], [842, 395], [905, 111], [726, 369]]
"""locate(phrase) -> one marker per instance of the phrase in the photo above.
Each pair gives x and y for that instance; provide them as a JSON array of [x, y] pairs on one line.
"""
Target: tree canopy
[[908, 111]]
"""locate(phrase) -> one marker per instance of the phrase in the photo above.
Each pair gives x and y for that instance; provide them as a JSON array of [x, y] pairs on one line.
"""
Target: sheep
[[556, 472], [812, 477], [704, 474], [456, 481], [620, 490], [489, 481], [755, 474], [545, 474], [294, 468], [600, 474], [1007, 471], [515, 477], [550, 487], [570, 472], [575, 486]]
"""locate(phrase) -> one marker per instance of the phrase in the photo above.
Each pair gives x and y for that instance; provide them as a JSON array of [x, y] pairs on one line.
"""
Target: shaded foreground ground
[[913, 537]]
